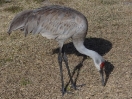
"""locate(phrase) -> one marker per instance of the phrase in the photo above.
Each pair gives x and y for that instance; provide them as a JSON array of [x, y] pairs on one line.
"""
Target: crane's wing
[[51, 21], [19, 21], [32, 24]]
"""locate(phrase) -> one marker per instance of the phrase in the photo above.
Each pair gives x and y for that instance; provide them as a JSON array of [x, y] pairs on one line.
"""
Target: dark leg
[[66, 62], [61, 73]]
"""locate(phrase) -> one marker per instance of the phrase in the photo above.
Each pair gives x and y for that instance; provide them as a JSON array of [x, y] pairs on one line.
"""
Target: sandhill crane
[[59, 23]]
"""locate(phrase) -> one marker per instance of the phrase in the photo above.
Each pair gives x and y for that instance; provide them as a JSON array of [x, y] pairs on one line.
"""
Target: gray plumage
[[53, 22], [59, 23]]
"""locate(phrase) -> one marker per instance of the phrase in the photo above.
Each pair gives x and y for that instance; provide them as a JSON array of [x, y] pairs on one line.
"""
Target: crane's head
[[100, 64]]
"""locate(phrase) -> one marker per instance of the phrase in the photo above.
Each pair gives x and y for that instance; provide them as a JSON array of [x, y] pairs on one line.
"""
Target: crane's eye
[[102, 65]]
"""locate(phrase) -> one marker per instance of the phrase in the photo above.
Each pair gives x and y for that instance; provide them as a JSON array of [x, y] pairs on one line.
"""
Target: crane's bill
[[102, 77]]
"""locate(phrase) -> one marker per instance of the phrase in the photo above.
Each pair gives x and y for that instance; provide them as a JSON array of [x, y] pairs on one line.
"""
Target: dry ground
[[29, 67]]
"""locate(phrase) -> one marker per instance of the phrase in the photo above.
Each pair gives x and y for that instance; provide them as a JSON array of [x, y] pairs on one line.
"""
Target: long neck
[[94, 55], [83, 50], [87, 52]]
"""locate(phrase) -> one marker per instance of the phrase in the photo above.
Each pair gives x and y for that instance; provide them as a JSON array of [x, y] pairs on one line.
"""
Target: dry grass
[[29, 68]]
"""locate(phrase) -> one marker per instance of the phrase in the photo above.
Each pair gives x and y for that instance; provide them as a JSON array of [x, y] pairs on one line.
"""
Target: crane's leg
[[69, 73], [61, 73]]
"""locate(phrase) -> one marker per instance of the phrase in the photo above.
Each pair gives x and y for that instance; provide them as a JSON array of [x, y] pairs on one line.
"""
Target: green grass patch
[[4, 1], [13, 9], [108, 2], [38, 1], [5, 60], [25, 82], [2, 38], [1, 2]]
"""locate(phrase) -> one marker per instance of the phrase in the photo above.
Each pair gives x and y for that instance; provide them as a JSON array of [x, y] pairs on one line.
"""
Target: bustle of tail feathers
[[19, 21]]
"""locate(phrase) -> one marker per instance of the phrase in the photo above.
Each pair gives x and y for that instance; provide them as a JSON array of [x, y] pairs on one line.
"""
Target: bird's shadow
[[99, 45], [108, 69]]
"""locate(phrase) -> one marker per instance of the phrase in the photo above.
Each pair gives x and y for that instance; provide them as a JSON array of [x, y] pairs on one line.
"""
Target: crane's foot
[[65, 91], [70, 89], [77, 87], [74, 87]]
